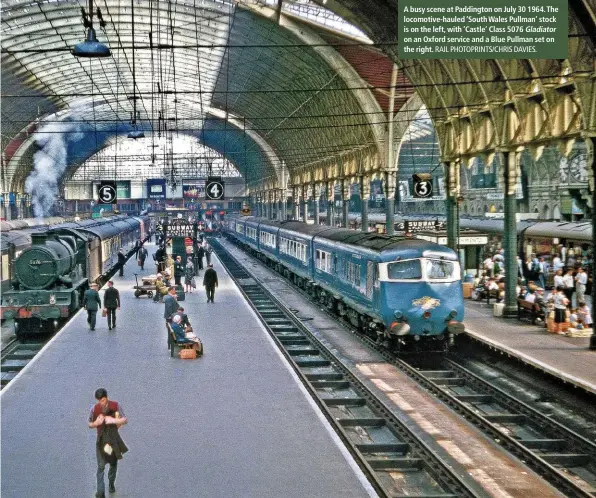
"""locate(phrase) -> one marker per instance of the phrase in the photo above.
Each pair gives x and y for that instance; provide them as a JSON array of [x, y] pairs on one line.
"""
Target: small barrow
[[146, 289]]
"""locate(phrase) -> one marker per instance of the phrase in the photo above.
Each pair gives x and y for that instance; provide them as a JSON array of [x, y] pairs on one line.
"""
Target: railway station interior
[[288, 138]]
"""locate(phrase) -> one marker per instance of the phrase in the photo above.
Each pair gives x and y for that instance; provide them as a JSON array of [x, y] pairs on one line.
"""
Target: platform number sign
[[423, 185], [214, 189], [107, 193]]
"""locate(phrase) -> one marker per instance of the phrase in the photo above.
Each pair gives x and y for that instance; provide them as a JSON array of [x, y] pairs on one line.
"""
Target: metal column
[[390, 178], [316, 193], [451, 177], [591, 143], [389, 187], [330, 200], [510, 233], [364, 196], [345, 202], [304, 203]]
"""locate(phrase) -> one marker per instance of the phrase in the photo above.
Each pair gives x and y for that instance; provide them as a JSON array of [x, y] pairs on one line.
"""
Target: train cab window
[[440, 270], [404, 270]]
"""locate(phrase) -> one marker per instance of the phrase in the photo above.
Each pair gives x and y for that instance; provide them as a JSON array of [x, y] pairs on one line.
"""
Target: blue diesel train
[[403, 291]]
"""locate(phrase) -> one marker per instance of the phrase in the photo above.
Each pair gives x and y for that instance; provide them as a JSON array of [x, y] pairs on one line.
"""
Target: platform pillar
[[452, 185], [510, 159], [591, 160], [316, 194], [364, 197], [330, 200], [345, 202], [389, 187], [304, 203]]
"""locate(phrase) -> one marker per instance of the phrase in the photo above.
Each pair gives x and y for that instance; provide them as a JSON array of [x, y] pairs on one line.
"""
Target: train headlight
[[398, 315], [52, 299], [426, 315]]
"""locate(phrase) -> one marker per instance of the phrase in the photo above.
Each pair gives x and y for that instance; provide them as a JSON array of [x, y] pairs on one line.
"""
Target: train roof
[[561, 229]]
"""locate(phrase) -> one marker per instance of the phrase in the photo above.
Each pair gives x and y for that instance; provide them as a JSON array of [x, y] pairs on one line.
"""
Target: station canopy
[[228, 73]]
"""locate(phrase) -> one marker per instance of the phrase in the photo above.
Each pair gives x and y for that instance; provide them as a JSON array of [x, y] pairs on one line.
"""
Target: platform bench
[[526, 309], [172, 343], [494, 294]]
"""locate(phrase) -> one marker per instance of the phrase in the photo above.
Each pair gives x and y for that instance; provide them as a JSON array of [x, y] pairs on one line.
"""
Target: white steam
[[50, 161]]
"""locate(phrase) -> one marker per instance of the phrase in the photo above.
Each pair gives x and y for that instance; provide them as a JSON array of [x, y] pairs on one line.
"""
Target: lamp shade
[[91, 47], [134, 134]]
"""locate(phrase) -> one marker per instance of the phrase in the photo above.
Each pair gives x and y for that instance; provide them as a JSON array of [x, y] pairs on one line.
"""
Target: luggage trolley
[[147, 288]]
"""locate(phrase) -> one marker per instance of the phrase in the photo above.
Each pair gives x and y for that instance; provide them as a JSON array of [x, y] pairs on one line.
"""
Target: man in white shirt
[[581, 279]]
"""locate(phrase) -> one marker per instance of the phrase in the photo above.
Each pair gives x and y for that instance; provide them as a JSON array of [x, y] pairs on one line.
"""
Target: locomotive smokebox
[[48, 259]]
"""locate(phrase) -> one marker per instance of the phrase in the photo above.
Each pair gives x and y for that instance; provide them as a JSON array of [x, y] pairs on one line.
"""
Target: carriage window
[[404, 270], [324, 261], [437, 269]]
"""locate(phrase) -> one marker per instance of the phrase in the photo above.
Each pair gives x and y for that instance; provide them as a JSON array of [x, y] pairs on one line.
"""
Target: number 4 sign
[[214, 190]]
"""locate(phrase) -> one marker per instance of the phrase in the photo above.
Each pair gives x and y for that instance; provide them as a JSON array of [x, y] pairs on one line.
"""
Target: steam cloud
[[50, 161]]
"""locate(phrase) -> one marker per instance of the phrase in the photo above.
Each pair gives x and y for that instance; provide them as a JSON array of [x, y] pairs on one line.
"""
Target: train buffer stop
[[234, 423]]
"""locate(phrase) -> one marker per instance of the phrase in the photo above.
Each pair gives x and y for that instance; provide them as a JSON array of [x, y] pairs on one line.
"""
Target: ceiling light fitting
[[91, 47]]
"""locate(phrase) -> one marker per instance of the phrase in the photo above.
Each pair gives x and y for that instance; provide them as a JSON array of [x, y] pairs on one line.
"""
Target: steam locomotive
[[48, 279]]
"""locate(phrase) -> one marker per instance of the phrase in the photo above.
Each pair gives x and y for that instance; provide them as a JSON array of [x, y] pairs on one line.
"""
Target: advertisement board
[[156, 188], [193, 189]]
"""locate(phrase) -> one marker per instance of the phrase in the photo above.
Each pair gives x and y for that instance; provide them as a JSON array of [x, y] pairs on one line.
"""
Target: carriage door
[[371, 289]]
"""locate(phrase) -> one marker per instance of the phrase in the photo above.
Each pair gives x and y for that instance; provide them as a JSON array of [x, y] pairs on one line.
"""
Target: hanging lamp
[[136, 133], [91, 47]]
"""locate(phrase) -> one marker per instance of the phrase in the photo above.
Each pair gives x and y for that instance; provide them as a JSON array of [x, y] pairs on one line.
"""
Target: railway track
[[395, 460], [562, 456], [15, 356]]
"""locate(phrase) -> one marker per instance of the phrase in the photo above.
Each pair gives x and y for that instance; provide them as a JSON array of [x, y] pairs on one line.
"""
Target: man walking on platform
[[107, 417], [121, 261], [92, 303], [111, 302], [142, 257], [210, 282]]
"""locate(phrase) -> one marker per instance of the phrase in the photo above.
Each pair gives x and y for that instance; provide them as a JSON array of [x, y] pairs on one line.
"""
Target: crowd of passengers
[[566, 297]]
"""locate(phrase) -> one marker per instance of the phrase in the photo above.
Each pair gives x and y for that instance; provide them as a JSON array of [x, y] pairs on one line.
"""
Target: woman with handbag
[[189, 275]]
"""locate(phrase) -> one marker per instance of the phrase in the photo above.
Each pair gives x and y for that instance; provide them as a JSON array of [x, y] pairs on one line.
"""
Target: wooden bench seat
[[173, 343], [526, 309]]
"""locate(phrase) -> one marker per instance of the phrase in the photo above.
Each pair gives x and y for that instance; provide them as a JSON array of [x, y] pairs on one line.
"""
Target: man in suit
[[92, 303], [171, 304], [121, 261], [111, 302], [210, 282], [142, 257]]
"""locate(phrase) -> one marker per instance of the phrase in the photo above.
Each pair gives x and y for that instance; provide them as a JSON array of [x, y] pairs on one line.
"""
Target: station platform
[[567, 358], [233, 423]]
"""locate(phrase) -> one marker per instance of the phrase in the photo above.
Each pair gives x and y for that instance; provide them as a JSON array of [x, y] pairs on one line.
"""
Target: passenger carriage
[[401, 290]]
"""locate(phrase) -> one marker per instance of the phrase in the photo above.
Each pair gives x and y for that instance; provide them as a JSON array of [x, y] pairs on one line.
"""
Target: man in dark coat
[[142, 257], [160, 258], [178, 270], [92, 303], [107, 417], [200, 254], [121, 261], [111, 302], [171, 304], [210, 282]]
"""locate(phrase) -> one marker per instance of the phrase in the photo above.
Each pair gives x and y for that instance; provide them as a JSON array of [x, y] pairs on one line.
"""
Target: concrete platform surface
[[234, 423], [565, 357]]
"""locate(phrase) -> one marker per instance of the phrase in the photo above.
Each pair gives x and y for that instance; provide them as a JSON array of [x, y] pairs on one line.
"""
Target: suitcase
[[180, 295], [498, 309]]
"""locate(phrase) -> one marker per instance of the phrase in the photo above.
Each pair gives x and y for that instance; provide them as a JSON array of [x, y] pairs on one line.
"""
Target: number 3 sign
[[423, 185]]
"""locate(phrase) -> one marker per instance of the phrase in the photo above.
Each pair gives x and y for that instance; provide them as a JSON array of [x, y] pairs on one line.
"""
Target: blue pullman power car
[[402, 290]]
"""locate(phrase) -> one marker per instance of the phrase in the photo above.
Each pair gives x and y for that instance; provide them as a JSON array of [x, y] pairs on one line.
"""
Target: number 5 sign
[[423, 185], [107, 193], [214, 190]]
